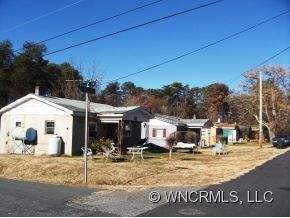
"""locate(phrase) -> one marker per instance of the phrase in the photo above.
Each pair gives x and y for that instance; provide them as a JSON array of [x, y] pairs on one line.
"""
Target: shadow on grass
[[187, 158], [150, 157], [120, 159], [128, 158], [116, 159], [182, 168], [187, 152]]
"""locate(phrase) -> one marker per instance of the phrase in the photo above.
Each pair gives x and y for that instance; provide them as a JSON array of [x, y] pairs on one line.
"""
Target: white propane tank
[[18, 133], [54, 145]]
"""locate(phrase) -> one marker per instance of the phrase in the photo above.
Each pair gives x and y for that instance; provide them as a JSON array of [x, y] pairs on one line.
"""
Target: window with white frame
[[17, 124], [204, 132], [159, 133], [49, 127]]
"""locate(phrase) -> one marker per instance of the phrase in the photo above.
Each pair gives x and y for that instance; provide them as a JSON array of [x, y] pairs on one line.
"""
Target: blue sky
[[141, 48]]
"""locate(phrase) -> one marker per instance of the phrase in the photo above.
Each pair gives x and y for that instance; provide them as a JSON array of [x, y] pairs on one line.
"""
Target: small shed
[[202, 128], [226, 131]]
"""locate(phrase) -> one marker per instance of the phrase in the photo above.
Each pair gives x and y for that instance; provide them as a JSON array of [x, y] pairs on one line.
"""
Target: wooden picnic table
[[137, 150]]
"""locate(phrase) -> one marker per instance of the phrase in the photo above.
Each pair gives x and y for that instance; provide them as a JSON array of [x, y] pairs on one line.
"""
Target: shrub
[[190, 137], [179, 136], [100, 143], [171, 141]]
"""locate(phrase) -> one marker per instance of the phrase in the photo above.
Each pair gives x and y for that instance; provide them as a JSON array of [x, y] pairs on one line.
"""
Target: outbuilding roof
[[225, 125]]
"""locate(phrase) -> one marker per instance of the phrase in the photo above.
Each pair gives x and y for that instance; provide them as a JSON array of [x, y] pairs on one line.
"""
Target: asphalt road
[[19, 198], [272, 176]]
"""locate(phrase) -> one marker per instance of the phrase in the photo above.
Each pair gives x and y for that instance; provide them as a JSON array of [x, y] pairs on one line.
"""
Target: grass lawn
[[184, 169]]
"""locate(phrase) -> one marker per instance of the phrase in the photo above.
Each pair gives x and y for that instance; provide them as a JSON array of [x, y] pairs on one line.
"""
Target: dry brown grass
[[185, 169]]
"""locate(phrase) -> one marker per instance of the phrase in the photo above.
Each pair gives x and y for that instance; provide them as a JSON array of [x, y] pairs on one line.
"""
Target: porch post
[[200, 140], [120, 135]]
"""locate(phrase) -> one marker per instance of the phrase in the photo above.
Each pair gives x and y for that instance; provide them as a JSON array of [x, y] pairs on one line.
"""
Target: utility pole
[[86, 139], [260, 115], [86, 87]]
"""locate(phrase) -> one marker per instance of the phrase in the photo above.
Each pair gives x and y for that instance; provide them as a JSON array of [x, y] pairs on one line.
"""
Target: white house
[[161, 126], [66, 118]]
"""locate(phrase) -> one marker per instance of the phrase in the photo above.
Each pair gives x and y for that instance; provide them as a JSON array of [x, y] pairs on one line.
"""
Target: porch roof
[[133, 113], [119, 110]]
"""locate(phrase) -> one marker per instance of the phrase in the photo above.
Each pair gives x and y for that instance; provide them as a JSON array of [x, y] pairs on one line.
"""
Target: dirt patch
[[184, 170]]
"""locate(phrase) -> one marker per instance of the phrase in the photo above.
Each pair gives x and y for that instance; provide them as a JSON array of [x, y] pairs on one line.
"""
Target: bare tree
[[275, 96], [95, 75], [78, 73]]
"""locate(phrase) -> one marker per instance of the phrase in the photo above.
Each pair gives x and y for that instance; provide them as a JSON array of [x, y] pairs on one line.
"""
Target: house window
[[93, 130], [159, 133], [128, 130], [203, 133], [17, 124], [49, 127]]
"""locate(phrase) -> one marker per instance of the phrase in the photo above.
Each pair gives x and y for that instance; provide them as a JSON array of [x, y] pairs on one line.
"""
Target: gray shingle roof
[[79, 106], [178, 121], [75, 106], [196, 122], [120, 109], [169, 119]]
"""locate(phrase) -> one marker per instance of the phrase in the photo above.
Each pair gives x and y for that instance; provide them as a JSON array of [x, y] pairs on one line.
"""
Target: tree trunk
[[271, 134], [267, 126], [170, 152]]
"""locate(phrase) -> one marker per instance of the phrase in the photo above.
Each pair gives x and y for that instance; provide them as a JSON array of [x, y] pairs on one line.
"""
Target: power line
[[94, 23], [42, 16], [202, 48], [133, 27], [272, 57], [263, 62]]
